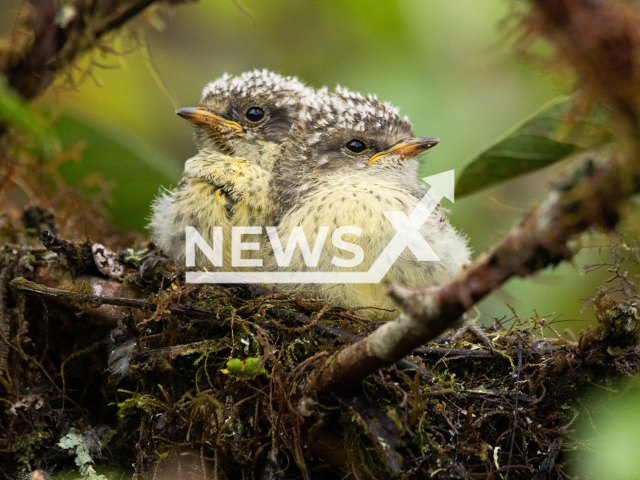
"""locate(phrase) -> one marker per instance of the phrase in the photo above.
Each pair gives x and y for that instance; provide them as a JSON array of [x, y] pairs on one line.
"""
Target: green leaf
[[137, 168], [545, 138], [19, 114]]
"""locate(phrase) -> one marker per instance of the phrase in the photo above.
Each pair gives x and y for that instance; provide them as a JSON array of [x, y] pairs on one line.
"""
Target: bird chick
[[242, 122], [352, 159]]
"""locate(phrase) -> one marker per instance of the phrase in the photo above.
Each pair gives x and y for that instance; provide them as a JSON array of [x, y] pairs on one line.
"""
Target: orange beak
[[203, 118], [407, 148]]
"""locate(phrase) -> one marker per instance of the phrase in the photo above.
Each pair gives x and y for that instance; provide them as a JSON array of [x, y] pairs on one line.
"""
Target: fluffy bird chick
[[242, 121], [350, 160]]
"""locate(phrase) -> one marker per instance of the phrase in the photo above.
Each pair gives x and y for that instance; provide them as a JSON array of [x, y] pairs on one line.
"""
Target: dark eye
[[254, 114], [355, 146]]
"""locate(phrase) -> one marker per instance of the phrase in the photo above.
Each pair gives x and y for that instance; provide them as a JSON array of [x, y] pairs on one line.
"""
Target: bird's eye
[[356, 146], [254, 114]]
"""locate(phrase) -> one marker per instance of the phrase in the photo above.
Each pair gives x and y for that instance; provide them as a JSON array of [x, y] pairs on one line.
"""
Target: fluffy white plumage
[[257, 82]]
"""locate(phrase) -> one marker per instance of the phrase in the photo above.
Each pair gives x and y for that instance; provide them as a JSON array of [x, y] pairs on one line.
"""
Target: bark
[[58, 43]]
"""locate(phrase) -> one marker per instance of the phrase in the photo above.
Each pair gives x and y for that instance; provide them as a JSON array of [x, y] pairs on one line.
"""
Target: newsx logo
[[407, 236]]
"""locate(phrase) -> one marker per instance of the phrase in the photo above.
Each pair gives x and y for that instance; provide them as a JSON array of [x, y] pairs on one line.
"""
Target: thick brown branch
[[57, 43]]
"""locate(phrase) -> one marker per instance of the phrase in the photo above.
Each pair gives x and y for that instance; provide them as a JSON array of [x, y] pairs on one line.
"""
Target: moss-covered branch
[[61, 34]]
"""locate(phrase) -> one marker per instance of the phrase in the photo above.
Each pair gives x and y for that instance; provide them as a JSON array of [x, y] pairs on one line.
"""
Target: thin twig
[[121, 17], [515, 411], [90, 300]]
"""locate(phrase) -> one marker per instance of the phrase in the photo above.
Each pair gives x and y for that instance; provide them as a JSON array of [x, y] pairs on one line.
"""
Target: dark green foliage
[[549, 136]]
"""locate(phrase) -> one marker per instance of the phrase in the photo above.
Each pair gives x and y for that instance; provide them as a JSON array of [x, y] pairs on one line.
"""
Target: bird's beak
[[203, 118], [407, 148]]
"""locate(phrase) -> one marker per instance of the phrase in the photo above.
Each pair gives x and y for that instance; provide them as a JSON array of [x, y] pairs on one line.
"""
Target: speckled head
[[347, 134], [342, 132], [348, 130], [257, 106]]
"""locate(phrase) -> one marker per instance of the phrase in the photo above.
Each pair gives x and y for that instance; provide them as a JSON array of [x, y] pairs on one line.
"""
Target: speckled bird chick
[[242, 122], [350, 160]]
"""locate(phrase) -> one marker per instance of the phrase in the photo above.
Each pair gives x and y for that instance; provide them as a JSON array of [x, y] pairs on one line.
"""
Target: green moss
[[26, 446]]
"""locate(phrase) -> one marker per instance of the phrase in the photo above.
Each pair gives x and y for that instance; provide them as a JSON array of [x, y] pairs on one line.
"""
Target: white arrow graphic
[[407, 235]]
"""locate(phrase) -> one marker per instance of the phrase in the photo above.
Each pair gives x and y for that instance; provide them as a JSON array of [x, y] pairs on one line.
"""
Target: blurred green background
[[446, 64], [606, 432]]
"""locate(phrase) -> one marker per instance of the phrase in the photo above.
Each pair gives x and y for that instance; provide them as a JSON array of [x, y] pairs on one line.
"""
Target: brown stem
[[23, 285], [122, 16], [290, 316]]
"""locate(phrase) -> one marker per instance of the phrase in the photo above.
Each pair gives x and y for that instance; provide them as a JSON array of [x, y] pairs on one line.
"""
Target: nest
[[201, 381]]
